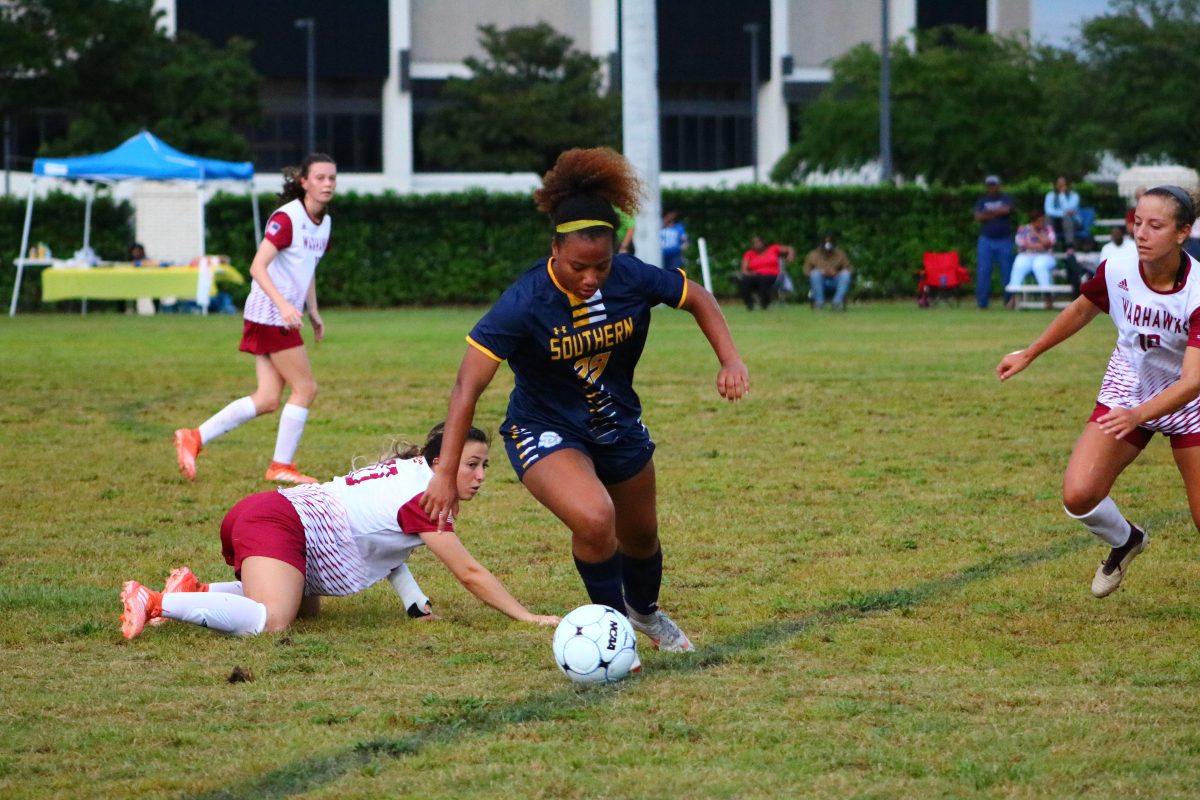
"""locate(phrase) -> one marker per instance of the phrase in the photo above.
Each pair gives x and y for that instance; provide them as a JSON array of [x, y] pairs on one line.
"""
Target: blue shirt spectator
[[673, 239], [1062, 210], [995, 246]]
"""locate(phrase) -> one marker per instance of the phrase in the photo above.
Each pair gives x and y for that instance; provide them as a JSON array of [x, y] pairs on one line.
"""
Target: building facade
[[381, 64]]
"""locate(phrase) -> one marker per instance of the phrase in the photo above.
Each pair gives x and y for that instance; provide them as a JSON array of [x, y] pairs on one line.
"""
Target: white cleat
[[1112, 569], [661, 629]]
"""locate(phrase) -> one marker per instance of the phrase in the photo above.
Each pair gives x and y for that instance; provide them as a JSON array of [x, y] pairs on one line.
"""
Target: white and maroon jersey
[[301, 242], [362, 527], [1154, 330]]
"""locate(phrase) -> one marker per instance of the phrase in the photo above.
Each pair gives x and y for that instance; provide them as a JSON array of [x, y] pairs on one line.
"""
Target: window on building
[[967, 13]]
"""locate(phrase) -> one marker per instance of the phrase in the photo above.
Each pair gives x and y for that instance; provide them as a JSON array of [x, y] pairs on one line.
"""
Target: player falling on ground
[[290, 546], [572, 329], [1153, 377], [284, 287]]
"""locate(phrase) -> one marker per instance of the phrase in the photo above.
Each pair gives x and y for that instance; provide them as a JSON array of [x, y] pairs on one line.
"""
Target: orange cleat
[[140, 606], [183, 579], [287, 473], [187, 447]]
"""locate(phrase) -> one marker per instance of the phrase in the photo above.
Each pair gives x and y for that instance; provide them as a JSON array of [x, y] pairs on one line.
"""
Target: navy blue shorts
[[616, 462]]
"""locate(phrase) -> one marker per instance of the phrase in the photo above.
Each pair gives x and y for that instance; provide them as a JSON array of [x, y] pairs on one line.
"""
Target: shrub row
[[429, 249]]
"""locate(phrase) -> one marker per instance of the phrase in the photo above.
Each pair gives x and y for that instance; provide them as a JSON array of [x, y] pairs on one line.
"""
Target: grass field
[[869, 553]]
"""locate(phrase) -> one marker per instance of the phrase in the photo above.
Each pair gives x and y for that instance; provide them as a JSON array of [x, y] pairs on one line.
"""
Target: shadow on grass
[[474, 718]]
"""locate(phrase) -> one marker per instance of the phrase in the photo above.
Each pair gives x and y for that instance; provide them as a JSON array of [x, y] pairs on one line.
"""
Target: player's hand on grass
[[549, 620], [733, 381], [1011, 364]]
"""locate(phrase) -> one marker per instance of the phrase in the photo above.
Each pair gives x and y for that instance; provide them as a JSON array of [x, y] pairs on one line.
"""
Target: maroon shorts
[[262, 340], [263, 524], [1140, 437]]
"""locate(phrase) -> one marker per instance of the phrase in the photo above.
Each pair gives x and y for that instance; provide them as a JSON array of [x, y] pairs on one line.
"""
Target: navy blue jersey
[[573, 359]]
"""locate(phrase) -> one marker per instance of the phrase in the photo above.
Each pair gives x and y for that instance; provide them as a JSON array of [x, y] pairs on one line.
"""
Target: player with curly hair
[[284, 287], [572, 329]]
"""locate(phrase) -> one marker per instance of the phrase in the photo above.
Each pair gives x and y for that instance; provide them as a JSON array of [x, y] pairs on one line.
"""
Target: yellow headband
[[580, 224]]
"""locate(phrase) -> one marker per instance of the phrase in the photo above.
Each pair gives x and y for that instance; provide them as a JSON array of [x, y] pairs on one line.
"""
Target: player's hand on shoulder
[[733, 381], [440, 499]]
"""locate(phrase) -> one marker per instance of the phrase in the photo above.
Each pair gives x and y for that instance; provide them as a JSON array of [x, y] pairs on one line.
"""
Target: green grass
[[869, 553]]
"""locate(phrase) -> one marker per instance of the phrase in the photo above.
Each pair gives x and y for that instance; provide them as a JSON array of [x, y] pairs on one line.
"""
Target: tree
[[964, 104], [109, 66], [1144, 63], [531, 98]]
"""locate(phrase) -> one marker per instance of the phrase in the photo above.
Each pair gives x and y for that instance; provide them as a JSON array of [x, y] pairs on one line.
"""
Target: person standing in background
[[285, 286], [674, 240], [995, 245]]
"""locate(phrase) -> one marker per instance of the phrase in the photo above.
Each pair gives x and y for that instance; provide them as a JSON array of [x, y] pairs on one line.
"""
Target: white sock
[[1106, 521], [223, 612], [291, 428], [227, 587], [236, 413], [402, 580]]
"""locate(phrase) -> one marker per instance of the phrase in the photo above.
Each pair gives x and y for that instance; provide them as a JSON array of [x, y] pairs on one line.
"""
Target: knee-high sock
[[1106, 521], [227, 587], [603, 581], [291, 428], [642, 578], [227, 613], [237, 413]]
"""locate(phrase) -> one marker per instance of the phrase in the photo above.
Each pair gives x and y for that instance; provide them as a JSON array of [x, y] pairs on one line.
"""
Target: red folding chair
[[942, 278]]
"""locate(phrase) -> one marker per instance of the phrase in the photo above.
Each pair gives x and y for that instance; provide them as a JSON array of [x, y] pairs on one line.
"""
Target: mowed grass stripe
[[480, 719]]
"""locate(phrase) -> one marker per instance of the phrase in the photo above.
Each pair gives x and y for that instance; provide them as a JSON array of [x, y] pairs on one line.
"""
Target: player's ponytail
[[292, 188]]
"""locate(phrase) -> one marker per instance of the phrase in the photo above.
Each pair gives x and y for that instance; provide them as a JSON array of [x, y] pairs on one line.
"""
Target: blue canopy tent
[[141, 157]]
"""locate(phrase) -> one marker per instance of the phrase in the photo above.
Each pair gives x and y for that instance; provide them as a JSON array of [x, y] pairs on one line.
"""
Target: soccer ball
[[595, 644]]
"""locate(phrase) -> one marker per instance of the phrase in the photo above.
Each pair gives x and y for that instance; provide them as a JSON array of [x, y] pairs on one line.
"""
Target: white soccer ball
[[595, 644]]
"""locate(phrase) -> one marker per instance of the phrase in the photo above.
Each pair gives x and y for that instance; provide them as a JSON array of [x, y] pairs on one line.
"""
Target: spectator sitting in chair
[[829, 270], [1035, 241], [760, 271], [1062, 207]]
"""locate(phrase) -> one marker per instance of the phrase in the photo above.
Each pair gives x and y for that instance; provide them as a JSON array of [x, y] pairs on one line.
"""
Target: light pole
[[752, 29], [310, 26], [885, 99]]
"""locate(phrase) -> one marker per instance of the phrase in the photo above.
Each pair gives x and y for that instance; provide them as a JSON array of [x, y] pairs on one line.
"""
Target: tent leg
[[257, 217], [87, 217], [20, 260]]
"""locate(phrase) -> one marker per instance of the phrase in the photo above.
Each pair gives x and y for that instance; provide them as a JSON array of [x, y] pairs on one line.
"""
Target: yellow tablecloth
[[127, 282]]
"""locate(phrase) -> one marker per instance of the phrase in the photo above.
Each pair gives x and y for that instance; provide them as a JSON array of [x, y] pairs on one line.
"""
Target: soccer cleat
[[187, 447], [1112, 569], [140, 605], [661, 629], [183, 579], [287, 473]]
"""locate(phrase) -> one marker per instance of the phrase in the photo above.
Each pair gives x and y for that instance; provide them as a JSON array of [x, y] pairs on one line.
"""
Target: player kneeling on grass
[[1153, 377], [288, 547]]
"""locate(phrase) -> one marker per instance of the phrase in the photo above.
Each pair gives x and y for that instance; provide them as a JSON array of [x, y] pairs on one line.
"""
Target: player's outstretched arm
[[733, 379], [1069, 322], [476, 579]]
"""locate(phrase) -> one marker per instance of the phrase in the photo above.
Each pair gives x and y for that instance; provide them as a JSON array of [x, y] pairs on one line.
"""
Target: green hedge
[[466, 248]]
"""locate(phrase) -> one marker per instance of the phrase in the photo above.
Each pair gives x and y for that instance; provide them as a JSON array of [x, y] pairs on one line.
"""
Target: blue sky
[[1056, 21]]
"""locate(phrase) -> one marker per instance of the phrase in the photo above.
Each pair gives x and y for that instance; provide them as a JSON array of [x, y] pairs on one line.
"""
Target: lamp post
[[885, 98], [752, 29], [310, 26]]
